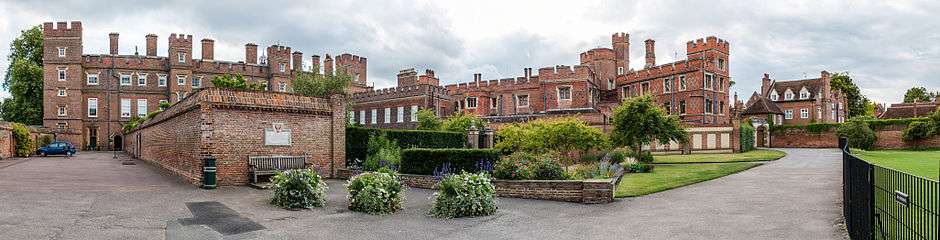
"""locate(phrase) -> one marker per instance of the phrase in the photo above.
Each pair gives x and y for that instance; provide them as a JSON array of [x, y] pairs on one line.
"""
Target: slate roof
[[760, 105]]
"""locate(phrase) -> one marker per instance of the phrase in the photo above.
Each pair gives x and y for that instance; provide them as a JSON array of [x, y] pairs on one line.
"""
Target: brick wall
[[6, 142], [888, 138], [230, 126], [580, 191]]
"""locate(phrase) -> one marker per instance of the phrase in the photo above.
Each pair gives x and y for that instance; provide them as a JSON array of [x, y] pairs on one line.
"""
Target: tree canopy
[[460, 122], [314, 84], [857, 103], [23, 79], [236, 81], [639, 121], [920, 94], [562, 135], [428, 120]]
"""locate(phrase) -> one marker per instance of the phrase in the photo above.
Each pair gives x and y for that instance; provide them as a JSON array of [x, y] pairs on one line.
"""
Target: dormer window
[[788, 95], [62, 52], [182, 57], [804, 94], [282, 67], [774, 96]]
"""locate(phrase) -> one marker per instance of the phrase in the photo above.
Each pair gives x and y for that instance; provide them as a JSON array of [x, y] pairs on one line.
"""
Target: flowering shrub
[[375, 193], [298, 189], [595, 171], [546, 169], [464, 195], [523, 165]]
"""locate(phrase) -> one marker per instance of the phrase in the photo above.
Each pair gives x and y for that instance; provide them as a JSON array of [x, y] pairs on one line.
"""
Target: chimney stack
[[151, 44], [208, 49], [316, 64], [251, 53], [650, 53], [328, 65], [298, 59], [114, 43], [827, 90], [765, 85], [528, 73]]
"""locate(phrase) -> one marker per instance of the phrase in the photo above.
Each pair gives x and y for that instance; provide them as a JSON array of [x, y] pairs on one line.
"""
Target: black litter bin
[[208, 173]]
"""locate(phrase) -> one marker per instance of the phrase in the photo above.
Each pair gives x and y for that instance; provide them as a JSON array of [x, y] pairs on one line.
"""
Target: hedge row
[[424, 161], [357, 139], [747, 137], [877, 124]]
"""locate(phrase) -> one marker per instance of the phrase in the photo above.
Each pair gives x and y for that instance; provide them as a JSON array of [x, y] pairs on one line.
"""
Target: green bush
[[374, 193], [356, 136], [461, 121], [24, 143], [747, 137], [464, 195], [514, 166], [594, 171], [638, 168], [298, 189], [546, 169], [44, 140], [617, 157], [918, 130], [382, 152], [424, 160], [643, 157], [858, 133]]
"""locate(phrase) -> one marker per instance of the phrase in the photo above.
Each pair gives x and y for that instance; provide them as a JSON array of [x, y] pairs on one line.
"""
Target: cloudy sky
[[887, 46]]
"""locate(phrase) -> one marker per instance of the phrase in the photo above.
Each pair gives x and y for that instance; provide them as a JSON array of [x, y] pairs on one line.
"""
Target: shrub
[[355, 136], [24, 143], [374, 193], [546, 169], [747, 136], [564, 135], [424, 160], [617, 157], [643, 157], [918, 130], [460, 122], [858, 133], [638, 168], [514, 167], [595, 171], [237, 82], [428, 120], [464, 195], [382, 152], [298, 189], [591, 157], [44, 140]]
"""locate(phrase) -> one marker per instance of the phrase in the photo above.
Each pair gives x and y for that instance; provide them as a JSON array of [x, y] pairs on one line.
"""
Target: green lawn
[[669, 176], [751, 156], [921, 163]]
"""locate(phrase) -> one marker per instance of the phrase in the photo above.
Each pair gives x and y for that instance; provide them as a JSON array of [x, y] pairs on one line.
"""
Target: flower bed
[[581, 191]]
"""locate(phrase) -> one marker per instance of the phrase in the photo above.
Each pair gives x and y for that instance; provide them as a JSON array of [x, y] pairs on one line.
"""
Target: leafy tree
[[639, 121], [857, 103], [460, 122], [236, 81], [920, 94], [314, 84], [24, 79], [565, 135], [428, 120], [858, 133]]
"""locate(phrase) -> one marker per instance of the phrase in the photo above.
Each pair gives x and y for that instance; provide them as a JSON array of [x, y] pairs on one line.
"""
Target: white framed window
[[388, 115], [721, 84], [832, 115], [141, 107], [141, 79], [788, 114], [709, 81], [125, 80], [804, 94], [179, 96], [92, 107], [804, 113], [667, 85], [564, 93], [681, 82], [61, 92], [125, 107], [62, 73], [708, 106], [400, 114], [819, 113], [414, 113], [626, 91], [471, 102], [197, 82], [774, 96], [374, 117], [522, 101], [362, 117], [494, 102], [282, 67], [181, 57], [282, 87], [181, 80], [619, 70], [161, 80], [788, 95], [682, 107], [62, 112], [91, 79], [721, 64], [62, 51], [611, 84]]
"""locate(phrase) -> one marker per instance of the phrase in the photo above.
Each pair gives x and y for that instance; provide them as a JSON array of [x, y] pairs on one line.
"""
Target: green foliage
[[617, 156], [24, 143], [546, 169], [356, 136], [374, 193], [460, 122], [638, 168], [935, 120], [874, 124], [639, 121], [382, 152], [918, 130], [920, 94], [643, 157], [464, 195], [858, 133], [164, 105], [301, 188], [236, 82], [562, 135], [314, 84], [423, 161], [44, 140], [525, 166], [428, 120], [133, 123], [856, 102], [747, 136], [595, 171], [23, 79]]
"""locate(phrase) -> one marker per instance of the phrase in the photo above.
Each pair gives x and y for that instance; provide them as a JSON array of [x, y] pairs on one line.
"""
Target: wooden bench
[[269, 165]]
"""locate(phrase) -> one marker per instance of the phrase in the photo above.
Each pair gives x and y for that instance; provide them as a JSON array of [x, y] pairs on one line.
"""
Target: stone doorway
[[761, 137]]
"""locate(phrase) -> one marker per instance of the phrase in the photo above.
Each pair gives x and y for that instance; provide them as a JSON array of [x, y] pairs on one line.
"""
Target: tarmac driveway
[[92, 196]]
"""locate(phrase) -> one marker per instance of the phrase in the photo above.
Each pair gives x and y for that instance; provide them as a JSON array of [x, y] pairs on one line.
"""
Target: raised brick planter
[[590, 191]]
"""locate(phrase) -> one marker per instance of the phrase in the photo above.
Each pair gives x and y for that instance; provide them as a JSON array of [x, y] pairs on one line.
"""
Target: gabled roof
[[813, 85], [760, 105], [909, 110]]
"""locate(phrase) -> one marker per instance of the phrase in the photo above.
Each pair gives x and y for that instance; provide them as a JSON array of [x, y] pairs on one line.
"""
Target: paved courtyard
[[92, 196]]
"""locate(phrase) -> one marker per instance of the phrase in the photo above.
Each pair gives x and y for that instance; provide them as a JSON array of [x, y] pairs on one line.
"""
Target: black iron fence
[[882, 203]]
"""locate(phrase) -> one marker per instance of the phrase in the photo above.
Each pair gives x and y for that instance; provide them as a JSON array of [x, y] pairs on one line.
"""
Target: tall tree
[[428, 120], [856, 101], [640, 121], [23, 79], [920, 94], [320, 85]]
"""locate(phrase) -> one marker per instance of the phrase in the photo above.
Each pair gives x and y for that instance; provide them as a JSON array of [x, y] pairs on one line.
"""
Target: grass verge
[[669, 176], [751, 156], [925, 164]]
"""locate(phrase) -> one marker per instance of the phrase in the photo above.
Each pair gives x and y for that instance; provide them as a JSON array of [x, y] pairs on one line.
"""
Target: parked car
[[57, 148]]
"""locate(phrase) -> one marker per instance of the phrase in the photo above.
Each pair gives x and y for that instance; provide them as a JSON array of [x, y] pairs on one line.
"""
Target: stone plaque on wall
[[277, 135]]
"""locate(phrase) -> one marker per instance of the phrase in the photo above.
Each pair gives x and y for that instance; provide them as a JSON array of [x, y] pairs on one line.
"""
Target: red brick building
[[94, 94], [801, 102], [910, 110]]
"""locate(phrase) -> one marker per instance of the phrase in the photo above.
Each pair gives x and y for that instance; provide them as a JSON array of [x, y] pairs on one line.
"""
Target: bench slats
[[268, 165]]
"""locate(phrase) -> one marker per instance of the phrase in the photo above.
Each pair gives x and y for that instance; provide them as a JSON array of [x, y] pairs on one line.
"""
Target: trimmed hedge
[[747, 137], [357, 139], [876, 124], [424, 161]]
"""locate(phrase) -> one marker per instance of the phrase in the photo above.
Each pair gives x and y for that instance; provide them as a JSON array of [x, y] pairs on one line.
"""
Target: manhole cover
[[219, 217]]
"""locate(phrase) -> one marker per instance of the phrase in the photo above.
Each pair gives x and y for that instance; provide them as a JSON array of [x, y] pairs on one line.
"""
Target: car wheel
[[43, 154]]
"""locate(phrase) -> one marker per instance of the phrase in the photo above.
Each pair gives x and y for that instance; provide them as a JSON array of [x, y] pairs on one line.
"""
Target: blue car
[[57, 148]]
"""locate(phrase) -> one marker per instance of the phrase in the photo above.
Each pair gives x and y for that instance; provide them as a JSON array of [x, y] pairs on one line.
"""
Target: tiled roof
[[813, 85], [760, 105], [909, 110]]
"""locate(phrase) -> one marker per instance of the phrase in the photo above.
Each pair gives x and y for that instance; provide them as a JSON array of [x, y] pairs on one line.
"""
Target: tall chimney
[[208, 49], [528, 73], [151, 44], [114, 43], [316, 64], [765, 85], [827, 90], [251, 53], [650, 53], [298, 59], [328, 65]]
